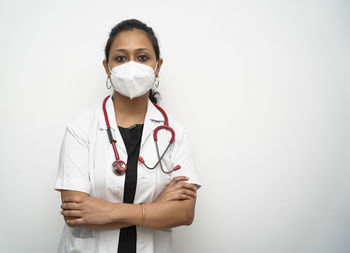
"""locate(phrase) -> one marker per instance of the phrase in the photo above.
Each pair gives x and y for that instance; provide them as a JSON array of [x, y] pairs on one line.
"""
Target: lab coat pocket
[[81, 232], [145, 185], [155, 178], [80, 241], [114, 187], [162, 241], [146, 177], [162, 180]]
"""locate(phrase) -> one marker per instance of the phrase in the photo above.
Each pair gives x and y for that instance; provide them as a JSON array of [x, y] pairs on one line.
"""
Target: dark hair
[[130, 24]]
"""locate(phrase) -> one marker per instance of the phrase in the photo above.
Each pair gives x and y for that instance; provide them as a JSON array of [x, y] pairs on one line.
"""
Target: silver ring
[[76, 206]]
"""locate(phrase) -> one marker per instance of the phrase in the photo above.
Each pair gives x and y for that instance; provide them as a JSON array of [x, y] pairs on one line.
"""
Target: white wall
[[262, 86]]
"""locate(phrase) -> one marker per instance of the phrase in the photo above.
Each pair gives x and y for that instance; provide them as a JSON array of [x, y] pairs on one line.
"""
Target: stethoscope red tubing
[[121, 165]]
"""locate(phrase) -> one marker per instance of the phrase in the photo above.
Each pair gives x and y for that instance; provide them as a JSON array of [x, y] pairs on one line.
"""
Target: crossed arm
[[174, 207]]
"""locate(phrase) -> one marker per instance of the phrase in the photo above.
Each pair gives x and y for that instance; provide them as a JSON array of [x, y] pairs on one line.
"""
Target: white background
[[262, 86]]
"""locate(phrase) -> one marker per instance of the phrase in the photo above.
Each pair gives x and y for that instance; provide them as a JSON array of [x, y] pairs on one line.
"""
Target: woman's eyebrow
[[125, 50], [141, 49], [120, 49]]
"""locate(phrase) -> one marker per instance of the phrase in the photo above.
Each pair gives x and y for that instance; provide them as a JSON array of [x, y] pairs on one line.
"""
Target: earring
[[107, 83], [156, 83]]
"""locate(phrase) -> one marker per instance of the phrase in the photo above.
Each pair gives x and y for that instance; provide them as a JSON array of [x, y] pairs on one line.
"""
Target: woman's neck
[[128, 111]]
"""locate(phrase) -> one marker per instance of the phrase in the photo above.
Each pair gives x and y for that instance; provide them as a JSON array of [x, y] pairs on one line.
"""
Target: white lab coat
[[85, 165]]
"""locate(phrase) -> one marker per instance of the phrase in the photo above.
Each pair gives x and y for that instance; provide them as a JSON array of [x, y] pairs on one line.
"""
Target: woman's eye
[[143, 58], [120, 58]]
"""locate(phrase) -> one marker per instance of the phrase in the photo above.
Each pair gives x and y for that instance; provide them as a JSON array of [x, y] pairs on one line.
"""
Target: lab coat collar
[[152, 119]]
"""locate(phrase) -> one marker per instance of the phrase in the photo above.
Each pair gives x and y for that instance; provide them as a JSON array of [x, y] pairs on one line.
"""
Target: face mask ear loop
[[154, 70], [156, 82], [108, 77], [109, 68]]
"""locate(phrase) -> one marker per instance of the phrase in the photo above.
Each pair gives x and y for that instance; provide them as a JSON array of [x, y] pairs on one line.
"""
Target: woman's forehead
[[131, 40]]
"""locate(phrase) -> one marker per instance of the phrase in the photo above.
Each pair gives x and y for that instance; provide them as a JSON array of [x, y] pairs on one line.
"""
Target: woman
[[113, 200]]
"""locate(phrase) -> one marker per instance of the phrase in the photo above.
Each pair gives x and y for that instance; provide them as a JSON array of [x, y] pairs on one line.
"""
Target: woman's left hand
[[84, 210]]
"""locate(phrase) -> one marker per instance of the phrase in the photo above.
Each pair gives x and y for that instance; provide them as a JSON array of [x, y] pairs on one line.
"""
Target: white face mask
[[132, 79]]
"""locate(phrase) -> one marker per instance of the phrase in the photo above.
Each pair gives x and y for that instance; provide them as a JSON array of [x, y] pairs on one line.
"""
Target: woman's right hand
[[177, 189]]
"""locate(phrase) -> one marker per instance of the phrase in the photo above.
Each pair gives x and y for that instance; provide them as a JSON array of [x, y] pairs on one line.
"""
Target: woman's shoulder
[[175, 123], [85, 120]]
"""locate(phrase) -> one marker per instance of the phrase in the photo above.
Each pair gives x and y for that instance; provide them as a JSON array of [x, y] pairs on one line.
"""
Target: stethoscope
[[119, 166]]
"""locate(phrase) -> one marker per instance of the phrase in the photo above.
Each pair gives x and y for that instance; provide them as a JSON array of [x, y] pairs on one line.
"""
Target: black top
[[132, 139]]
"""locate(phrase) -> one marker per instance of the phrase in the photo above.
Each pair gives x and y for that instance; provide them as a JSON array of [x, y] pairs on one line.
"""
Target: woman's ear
[[160, 62], [105, 65]]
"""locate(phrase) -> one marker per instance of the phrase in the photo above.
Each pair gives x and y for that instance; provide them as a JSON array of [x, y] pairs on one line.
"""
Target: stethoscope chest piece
[[119, 167]]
